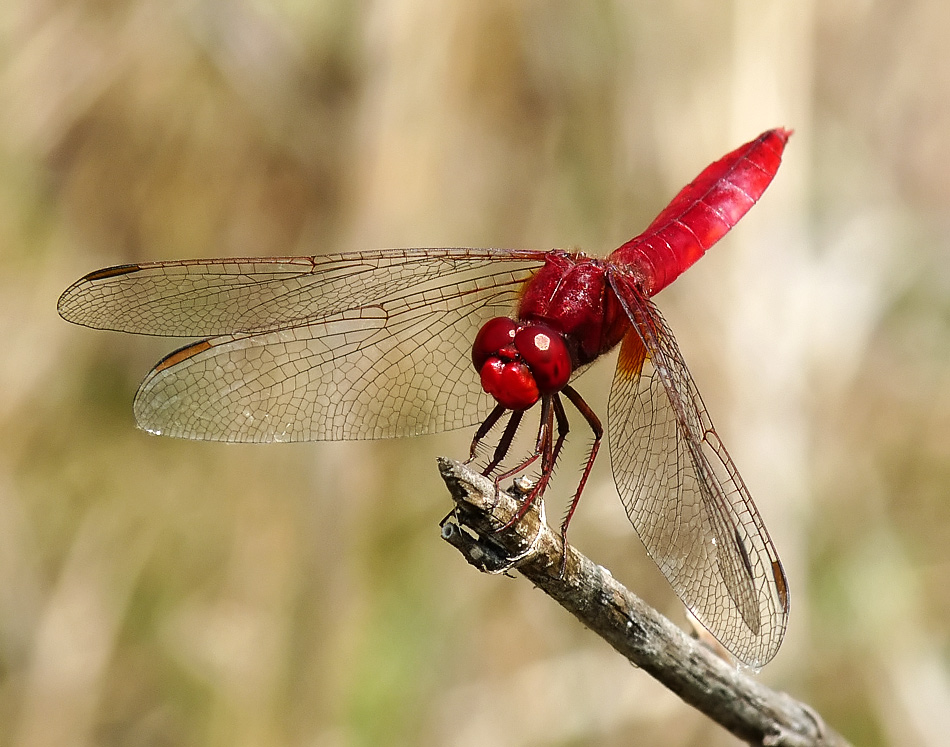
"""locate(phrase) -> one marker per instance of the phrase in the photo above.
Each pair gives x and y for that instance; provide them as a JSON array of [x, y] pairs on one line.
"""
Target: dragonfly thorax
[[518, 363]]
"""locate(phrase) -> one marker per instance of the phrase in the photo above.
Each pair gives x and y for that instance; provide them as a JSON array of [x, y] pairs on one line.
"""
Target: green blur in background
[[155, 592]]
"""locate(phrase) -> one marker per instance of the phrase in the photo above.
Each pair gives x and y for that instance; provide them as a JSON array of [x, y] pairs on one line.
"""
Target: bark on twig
[[748, 709]]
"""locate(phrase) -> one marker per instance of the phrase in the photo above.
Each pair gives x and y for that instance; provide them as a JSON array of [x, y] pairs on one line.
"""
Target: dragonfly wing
[[684, 495], [208, 297], [368, 345], [372, 376]]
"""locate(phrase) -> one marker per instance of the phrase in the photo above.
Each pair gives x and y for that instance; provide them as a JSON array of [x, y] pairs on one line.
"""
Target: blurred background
[[155, 592]]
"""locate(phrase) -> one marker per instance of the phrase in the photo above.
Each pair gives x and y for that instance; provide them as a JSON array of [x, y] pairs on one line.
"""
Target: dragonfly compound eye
[[495, 334], [504, 375], [545, 353], [518, 363]]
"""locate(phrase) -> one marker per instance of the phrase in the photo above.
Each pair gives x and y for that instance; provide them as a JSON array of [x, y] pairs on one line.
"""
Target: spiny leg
[[546, 448], [544, 435], [487, 424], [563, 427], [594, 422], [504, 443], [549, 460]]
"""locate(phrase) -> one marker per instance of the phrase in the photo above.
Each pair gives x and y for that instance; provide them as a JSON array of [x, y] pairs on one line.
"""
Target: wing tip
[[69, 305]]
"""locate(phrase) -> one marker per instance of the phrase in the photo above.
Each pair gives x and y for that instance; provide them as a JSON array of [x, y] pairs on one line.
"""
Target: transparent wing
[[684, 495], [367, 345], [207, 297]]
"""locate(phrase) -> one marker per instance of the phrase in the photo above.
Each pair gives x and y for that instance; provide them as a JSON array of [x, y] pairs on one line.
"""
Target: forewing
[[684, 495], [209, 297], [367, 345]]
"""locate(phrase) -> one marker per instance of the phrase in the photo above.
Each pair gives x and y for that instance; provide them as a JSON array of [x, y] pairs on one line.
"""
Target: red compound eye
[[494, 335], [518, 364], [545, 353]]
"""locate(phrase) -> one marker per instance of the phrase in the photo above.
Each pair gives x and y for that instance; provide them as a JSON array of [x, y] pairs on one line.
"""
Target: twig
[[742, 705]]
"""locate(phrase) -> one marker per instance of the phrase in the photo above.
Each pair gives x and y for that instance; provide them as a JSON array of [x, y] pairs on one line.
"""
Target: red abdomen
[[703, 212]]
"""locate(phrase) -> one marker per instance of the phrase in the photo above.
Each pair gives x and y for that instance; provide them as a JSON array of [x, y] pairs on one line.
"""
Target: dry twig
[[748, 709]]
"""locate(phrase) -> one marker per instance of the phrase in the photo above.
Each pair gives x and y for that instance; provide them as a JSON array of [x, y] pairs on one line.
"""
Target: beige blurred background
[[155, 592]]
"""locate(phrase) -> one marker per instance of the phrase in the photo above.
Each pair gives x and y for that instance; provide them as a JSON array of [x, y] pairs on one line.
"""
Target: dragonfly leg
[[546, 449], [544, 435], [563, 427], [504, 443], [487, 424], [594, 422], [549, 456]]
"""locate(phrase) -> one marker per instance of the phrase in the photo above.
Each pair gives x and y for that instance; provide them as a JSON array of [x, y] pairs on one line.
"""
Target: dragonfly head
[[518, 363]]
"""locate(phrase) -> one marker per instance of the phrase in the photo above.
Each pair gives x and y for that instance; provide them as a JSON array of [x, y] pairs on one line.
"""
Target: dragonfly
[[401, 342]]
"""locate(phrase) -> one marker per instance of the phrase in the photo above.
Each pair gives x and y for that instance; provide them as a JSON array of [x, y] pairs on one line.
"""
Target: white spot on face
[[542, 341]]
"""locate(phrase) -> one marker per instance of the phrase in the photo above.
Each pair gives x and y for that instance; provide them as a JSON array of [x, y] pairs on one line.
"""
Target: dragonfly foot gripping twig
[[741, 704]]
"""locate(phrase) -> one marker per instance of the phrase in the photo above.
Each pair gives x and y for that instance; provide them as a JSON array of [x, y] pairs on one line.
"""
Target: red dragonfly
[[379, 344]]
